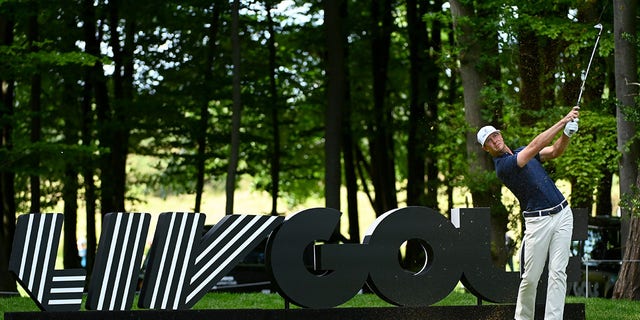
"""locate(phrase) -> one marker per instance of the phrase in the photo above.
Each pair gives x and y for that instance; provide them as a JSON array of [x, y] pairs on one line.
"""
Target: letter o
[[389, 280]]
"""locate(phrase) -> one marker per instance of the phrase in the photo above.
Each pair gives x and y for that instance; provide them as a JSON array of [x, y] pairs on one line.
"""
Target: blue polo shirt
[[531, 184]]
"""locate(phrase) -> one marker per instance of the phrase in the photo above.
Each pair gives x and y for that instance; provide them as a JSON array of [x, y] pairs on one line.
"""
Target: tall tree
[[336, 81], [114, 120], [530, 68], [7, 176], [628, 283], [423, 119], [626, 70], [469, 55], [336, 101], [67, 102], [424, 49], [94, 86], [274, 104], [205, 115], [35, 107], [418, 125], [626, 67], [381, 146], [472, 81], [433, 73], [70, 184], [479, 71], [338, 114], [237, 108]]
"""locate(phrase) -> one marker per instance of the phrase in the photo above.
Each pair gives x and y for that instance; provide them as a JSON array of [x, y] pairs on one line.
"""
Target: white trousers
[[545, 237]]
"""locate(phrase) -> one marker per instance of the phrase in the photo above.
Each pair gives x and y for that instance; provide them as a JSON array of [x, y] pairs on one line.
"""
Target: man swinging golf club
[[547, 215]]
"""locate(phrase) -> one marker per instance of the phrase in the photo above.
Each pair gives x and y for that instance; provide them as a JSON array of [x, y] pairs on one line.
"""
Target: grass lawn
[[596, 308]]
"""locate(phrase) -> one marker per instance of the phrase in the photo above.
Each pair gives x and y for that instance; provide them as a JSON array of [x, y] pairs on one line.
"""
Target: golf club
[[597, 26]]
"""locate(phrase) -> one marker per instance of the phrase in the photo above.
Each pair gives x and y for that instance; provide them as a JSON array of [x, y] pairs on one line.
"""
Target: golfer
[[547, 215]]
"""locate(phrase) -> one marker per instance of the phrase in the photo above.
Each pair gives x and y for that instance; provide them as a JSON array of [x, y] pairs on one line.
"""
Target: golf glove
[[571, 127]]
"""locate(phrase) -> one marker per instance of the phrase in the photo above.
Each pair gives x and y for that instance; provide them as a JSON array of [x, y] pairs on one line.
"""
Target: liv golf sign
[[184, 264]]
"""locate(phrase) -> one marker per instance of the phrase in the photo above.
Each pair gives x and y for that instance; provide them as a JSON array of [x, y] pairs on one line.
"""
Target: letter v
[[33, 257], [183, 267]]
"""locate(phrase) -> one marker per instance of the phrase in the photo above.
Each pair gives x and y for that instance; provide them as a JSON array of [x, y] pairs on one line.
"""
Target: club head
[[598, 26]]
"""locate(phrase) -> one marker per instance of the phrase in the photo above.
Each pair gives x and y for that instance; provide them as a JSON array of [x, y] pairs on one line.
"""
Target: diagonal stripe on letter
[[105, 280], [123, 251], [220, 238], [183, 272], [174, 259], [234, 254], [141, 222], [224, 249], [162, 262], [47, 257], [36, 253], [25, 249]]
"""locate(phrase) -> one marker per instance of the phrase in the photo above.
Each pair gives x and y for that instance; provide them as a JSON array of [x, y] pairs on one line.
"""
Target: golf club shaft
[[599, 26]]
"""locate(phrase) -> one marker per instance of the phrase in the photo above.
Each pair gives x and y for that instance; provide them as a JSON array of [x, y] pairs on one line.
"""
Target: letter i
[[117, 268]]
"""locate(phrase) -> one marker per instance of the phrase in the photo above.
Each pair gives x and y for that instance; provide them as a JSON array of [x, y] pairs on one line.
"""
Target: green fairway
[[596, 308]]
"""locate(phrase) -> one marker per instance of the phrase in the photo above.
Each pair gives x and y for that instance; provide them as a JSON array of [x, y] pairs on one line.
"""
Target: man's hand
[[570, 128], [572, 115]]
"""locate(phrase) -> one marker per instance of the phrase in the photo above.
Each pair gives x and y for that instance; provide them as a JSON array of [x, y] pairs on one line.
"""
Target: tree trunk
[[205, 116], [452, 97], [418, 124], [123, 111], [381, 130], [335, 100], [351, 179], [237, 109], [472, 81], [473, 46], [275, 110], [628, 284], [7, 190], [94, 80], [423, 119], [337, 36], [432, 72], [69, 108], [106, 134], [114, 129], [626, 72], [530, 75], [35, 106], [604, 206], [70, 210]]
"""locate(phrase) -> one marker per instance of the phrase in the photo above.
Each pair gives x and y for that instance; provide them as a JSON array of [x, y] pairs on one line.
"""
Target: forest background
[[309, 100]]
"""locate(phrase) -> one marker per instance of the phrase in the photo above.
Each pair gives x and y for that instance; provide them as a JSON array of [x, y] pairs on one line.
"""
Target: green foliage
[[591, 153], [20, 61], [632, 114], [631, 201], [182, 67], [452, 159]]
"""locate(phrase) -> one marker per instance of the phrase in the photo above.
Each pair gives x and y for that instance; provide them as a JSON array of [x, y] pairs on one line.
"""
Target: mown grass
[[596, 308]]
